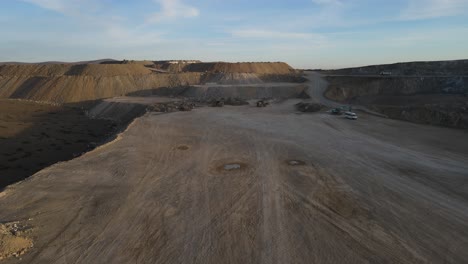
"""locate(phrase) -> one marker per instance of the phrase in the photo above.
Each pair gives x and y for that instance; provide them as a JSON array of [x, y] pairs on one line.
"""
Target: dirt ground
[[253, 185], [34, 136]]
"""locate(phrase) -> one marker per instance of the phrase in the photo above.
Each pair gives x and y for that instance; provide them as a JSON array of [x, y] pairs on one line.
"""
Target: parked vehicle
[[351, 115], [336, 111]]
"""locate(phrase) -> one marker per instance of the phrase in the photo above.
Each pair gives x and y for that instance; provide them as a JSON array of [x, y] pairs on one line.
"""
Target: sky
[[303, 33]]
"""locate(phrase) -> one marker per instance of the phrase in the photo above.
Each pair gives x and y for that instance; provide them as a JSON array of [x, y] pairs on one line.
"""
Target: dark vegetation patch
[[34, 136]]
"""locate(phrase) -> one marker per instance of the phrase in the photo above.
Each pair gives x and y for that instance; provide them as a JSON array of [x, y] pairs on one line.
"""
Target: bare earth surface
[[250, 185]]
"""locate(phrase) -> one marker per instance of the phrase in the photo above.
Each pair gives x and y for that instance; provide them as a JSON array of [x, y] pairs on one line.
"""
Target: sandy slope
[[240, 67], [65, 83], [371, 191], [79, 88]]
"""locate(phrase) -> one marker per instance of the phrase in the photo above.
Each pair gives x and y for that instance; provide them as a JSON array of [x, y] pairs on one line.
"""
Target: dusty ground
[[34, 136], [250, 185]]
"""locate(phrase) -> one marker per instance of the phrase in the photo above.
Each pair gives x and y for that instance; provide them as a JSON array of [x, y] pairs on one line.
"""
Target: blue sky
[[304, 33]]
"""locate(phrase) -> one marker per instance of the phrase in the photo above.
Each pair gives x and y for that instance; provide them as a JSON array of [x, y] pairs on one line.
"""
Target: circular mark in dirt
[[295, 162], [183, 147], [232, 167]]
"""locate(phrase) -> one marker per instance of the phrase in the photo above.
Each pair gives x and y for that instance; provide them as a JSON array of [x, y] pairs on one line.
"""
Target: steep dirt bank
[[238, 73], [233, 78], [78, 88], [428, 100], [244, 92], [96, 70], [240, 67], [343, 88], [65, 83], [34, 136], [439, 68]]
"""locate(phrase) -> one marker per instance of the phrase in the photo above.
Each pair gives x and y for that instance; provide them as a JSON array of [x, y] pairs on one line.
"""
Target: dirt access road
[[317, 85], [250, 185]]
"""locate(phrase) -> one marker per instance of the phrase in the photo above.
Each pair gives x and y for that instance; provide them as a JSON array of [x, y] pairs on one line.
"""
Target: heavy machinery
[[262, 103], [336, 111], [340, 110]]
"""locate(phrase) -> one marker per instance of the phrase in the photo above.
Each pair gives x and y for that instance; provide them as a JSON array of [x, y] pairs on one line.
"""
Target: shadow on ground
[[34, 136]]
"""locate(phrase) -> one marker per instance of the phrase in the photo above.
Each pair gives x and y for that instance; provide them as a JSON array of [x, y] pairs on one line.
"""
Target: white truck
[[350, 115]]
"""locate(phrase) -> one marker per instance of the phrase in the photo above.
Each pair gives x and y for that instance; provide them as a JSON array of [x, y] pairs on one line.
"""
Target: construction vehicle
[[336, 111], [218, 103], [262, 103], [340, 110]]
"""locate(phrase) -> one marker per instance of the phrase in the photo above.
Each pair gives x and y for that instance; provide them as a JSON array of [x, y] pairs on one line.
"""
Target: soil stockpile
[[235, 73], [64, 83], [77, 83], [96, 70], [241, 67], [233, 78]]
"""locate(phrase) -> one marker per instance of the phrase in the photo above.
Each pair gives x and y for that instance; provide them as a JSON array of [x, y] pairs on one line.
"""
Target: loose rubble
[[14, 240], [309, 107], [172, 107]]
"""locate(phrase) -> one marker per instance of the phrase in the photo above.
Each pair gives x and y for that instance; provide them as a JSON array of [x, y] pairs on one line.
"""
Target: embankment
[[421, 68], [344, 88], [69, 83], [77, 83], [240, 67], [429, 100]]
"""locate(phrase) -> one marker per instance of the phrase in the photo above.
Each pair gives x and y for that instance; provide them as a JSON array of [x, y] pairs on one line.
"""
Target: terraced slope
[[75, 83], [241, 67]]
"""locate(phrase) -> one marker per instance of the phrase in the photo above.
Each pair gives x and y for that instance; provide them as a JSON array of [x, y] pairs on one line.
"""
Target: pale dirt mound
[[107, 70], [97, 70], [241, 67], [234, 78], [78, 88], [34, 70], [13, 240], [65, 83], [173, 66]]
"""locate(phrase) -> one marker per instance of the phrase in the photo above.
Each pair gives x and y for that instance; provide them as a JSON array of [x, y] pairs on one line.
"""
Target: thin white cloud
[[426, 9], [67, 7], [327, 2], [260, 33], [98, 27], [173, 9], [56, 5]]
